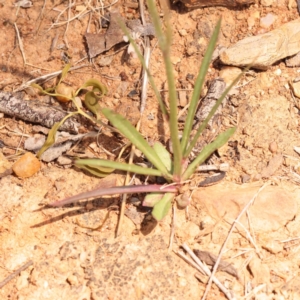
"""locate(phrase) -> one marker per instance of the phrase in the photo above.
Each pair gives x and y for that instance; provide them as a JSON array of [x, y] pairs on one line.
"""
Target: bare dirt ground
[[73, 250]]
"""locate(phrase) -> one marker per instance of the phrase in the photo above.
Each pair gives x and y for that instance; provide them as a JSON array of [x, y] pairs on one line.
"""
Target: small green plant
[[175, 168]]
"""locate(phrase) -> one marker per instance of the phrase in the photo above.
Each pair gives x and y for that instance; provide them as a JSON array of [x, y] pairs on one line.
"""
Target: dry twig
[[15, 274], [208, 272]]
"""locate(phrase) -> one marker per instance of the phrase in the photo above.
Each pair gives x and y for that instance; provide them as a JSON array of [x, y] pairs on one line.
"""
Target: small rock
[[273, 147], [182, 32], [105, 60], [5, 166], [63, 160], [293, 61], [34, 143], [295, 86], [22, 281], [229, 74], [292, 4], [40, 129], [253, 51], [182, 98], [251, 22], [72, 280], [273, 165], [245, 178], [278, 72], [26, 166], [267, 21]]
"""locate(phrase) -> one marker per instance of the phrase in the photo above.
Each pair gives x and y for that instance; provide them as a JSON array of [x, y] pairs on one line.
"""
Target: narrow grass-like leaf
[[64, 73], [164, 155], [207, 151], [198, 87], [129, 131], [51, 135], [165, 42], [210, 115], [99, 171], [117, 190], [151, 199], [161, 209], [96, 163], [142, 60]]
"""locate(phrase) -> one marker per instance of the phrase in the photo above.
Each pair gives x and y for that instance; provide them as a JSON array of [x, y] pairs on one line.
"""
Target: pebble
[[273, 165], [253, 51], [293, 61], [229, 74], [268, 20], [273, 147], [295, 86], [26, 166], [63, 160], [105, 61], [5, 166]]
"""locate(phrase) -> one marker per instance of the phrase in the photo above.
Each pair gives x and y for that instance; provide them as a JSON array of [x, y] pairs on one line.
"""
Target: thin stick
[[81, 14], [20, 44], [227, 239], [145, 75], [173, 227], [249, 236], [124, 197], [46, 77], [15, 274], [208, 272], [67, 27], [188, 260]]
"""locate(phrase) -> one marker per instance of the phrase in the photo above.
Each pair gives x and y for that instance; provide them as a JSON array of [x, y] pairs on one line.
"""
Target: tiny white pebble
[[278, 72]]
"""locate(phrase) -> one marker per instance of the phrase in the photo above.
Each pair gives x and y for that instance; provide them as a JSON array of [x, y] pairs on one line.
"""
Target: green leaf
[[142, 60], [101, 163], [51, 135], [207, 151], [198, 87], [161, 209], [129, 131], [165, 42], [151, 199], [97, 171], [64, 72], [91, 102], [96, 84], [164, 155]]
